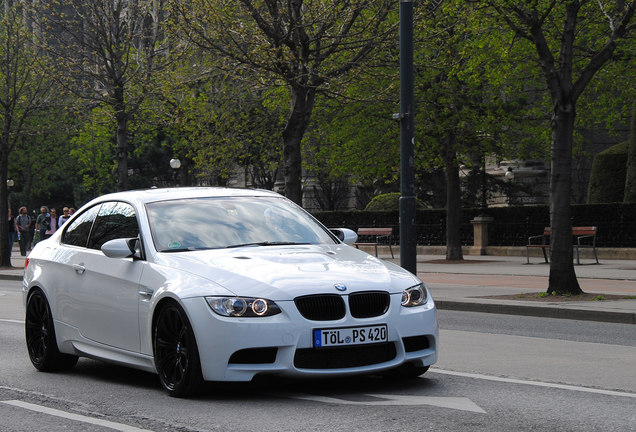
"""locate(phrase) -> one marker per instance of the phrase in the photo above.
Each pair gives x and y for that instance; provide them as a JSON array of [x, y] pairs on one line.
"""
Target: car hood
[[286, 272]]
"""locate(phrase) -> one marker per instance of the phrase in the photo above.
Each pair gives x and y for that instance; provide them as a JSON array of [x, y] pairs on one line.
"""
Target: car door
[[106, 290]]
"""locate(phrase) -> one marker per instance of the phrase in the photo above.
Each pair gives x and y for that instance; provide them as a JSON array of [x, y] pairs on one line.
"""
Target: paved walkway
[[466, 285], [18, 263]]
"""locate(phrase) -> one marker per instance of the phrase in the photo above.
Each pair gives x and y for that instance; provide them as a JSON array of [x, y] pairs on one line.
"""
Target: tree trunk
[[453, 203], [28, 185], [302, 107], [630, 180], [5, 257], [121, 152], [562, 278]]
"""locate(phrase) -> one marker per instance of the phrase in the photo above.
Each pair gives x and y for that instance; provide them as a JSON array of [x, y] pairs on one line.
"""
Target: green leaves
[[94, 151]]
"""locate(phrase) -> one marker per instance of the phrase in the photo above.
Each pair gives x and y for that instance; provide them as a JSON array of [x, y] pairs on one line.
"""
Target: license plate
[[350, 336]]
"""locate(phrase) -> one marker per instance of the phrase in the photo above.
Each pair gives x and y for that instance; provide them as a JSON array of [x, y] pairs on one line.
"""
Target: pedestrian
[[13, 229], [71, 211], [43, 223], [23, 222], [53, 225], [34, 235], [65, 216]]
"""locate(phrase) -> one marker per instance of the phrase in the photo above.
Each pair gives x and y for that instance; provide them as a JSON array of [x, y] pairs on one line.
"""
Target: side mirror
[[345, 235], [121, 248]]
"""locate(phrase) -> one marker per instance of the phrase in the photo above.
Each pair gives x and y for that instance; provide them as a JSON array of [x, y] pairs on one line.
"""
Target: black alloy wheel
[[40, 336], [176, 354]]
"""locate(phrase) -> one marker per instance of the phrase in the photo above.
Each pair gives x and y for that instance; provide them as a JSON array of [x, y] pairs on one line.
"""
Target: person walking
[[53, 225], [13, 229], [43, 222], [33, 231], [23, 222], [62, 219]]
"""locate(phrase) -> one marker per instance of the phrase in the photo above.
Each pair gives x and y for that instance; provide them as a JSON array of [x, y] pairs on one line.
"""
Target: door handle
[[79, 268]]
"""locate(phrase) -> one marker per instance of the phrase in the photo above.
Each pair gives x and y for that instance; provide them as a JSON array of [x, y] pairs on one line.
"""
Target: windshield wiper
[[190, 249], [265, 243]]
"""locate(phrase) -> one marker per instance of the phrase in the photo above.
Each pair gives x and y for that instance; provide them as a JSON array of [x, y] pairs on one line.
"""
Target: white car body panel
[[286, 272], [106, 311], [106, 299]]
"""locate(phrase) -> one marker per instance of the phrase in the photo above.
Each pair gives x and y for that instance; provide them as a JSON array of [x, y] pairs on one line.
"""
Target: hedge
[[607, 179]]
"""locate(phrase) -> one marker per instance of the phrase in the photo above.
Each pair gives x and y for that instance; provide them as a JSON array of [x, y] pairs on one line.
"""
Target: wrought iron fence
[[617, 233], [515, 233], [611, 233], [511, 226], [431, 234]]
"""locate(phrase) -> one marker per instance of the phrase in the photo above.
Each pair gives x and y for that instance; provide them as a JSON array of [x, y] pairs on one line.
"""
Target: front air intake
[[344, 357], [254, 356]]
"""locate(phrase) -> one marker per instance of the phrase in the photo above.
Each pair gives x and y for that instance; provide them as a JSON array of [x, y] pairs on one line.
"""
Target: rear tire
[[40, 336], [176, 353]]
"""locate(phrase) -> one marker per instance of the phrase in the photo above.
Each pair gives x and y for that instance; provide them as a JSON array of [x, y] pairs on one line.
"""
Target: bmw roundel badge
[[340, 287]]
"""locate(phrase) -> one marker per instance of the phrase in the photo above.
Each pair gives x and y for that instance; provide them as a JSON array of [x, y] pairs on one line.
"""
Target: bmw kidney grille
[[329, 307]]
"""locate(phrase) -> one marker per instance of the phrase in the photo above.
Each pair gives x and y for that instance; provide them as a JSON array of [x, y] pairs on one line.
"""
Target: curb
[[14, 277], [542, 311]]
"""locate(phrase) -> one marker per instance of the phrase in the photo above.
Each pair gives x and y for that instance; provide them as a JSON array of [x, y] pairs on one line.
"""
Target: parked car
[[217, 284]]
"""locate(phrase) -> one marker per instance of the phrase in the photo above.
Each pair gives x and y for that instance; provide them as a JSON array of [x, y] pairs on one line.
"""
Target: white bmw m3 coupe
[[215, 284]]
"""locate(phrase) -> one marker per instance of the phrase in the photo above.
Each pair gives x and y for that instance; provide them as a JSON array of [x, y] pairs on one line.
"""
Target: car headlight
[[414, 296], [242, 306]]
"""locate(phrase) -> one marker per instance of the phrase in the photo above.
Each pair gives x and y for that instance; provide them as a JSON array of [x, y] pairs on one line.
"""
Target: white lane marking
[[534, 383], [11, 321], [76, 417], [458, 403]]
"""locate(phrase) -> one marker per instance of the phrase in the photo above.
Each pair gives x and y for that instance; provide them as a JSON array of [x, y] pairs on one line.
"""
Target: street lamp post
[[175, 164], [484, 191], [408, 231], [510, 175]]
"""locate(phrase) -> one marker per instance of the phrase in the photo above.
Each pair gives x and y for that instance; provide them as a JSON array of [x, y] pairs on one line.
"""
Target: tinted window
[[77, 232], [114, 220]]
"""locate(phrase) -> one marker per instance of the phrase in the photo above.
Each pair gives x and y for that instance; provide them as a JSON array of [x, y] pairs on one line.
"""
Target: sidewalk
[[464, 286], [18, 262]]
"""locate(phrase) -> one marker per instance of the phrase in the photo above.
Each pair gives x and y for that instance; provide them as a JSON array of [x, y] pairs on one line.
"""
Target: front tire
[[40, 336], [176, 353]]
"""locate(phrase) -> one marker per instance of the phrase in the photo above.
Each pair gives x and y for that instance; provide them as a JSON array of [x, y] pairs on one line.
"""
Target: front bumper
[[237, 349]]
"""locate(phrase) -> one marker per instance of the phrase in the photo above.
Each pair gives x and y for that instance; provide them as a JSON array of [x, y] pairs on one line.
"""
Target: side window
[[114, 220], [76, 233]]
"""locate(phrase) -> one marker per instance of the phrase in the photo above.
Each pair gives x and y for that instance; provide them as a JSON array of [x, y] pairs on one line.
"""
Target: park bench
[[375, 234], [588, 234]]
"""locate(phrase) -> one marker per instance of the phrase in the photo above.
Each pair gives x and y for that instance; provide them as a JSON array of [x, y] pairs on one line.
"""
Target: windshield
[[213, 223]]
